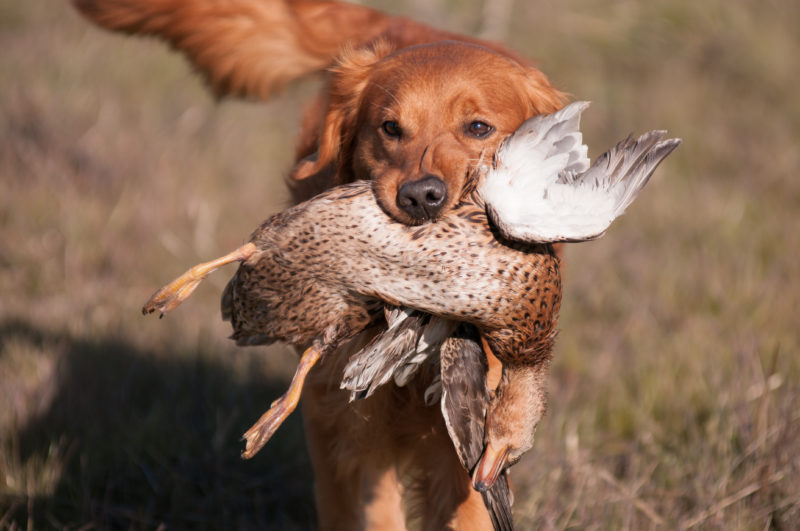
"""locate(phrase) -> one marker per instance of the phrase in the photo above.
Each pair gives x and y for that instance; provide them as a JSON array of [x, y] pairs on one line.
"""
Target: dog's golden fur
[[449, 101]]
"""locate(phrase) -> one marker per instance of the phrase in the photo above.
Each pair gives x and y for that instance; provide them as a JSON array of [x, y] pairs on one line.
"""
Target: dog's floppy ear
[[348, 79], [544, 98]]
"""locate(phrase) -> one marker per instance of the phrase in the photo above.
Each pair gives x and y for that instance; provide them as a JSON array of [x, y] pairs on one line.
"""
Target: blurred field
[[675, 394]]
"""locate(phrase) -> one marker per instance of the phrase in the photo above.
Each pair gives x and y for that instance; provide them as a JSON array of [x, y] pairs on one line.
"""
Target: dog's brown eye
[[479, 129], [391, 129]]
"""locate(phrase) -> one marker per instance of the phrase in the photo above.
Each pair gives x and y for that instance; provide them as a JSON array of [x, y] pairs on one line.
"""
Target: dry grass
[[674, 392]]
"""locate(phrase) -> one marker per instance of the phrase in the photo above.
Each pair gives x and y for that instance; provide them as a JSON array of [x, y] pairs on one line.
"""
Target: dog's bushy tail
[[245, 48]]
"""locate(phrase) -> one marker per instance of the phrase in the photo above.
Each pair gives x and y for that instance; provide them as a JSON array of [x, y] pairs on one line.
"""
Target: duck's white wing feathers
[[543, 190]]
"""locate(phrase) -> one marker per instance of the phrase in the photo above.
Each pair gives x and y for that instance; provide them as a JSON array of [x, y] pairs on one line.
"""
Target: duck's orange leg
[[267, 425], [170, 296]]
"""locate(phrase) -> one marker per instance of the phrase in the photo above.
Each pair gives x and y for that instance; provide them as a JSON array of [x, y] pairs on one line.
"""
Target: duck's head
[[514, 412]]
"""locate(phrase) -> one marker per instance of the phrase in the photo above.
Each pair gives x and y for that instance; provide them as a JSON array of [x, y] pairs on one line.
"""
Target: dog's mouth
[[424, 200], [414, 221], [419, 214], [401, 215]]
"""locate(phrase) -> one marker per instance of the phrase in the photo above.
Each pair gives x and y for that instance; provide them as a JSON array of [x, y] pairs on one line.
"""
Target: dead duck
[[318, 273], [542, 189]]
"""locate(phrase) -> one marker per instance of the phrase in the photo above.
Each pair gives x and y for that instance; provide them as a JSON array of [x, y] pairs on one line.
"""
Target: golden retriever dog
[[410, 107]]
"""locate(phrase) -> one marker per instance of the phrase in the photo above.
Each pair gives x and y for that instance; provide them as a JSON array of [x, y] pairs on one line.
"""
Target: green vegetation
[[675, 390]]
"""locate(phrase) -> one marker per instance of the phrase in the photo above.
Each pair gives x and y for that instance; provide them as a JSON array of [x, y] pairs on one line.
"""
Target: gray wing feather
[[628, 165], [375, 364], [498, 501]]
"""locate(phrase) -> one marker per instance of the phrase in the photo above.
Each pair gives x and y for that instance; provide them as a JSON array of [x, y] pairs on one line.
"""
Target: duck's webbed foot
[[173, 294], [261, 432]]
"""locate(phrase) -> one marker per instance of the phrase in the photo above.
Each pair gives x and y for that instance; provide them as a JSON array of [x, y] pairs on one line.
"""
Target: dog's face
[[418, 121]]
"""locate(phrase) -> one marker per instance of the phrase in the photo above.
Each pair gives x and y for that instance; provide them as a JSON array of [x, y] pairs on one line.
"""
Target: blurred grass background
[[675, 400]]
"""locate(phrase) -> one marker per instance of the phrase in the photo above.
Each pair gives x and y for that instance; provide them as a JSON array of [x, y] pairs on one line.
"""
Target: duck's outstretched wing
[[541, 188]]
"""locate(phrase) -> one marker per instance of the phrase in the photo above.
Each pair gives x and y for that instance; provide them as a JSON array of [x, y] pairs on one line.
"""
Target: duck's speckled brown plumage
[[316, 268], [318, 273]]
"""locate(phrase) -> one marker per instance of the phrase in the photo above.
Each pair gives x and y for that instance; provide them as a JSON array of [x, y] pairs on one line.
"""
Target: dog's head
[[419, 120]]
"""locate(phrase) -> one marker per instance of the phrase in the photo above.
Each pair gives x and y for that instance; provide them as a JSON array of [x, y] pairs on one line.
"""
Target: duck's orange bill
[[489, 467]]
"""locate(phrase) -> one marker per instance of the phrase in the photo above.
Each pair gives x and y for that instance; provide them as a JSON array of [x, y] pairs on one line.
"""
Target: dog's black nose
[[422, 199]]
